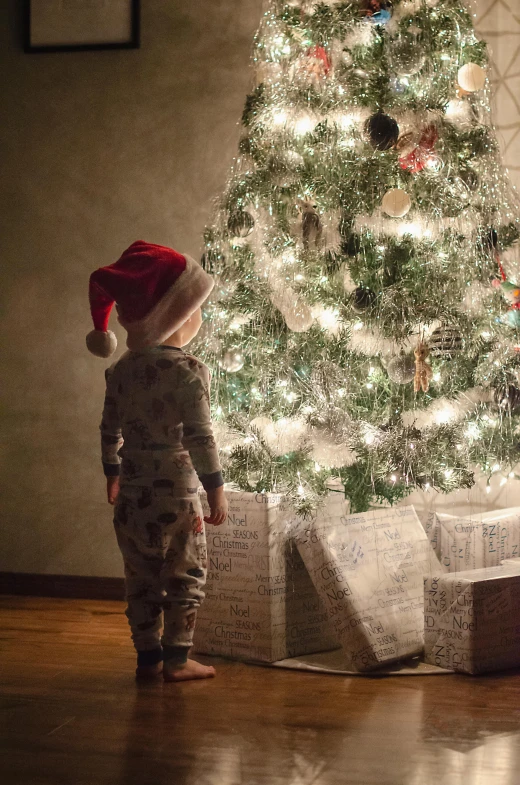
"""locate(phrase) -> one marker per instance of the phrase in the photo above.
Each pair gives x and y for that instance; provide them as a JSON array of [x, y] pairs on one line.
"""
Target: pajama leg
[[143, 546], [184, 575]]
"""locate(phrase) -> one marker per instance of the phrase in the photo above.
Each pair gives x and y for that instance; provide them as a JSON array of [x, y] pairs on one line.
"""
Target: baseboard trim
[[80, 587]]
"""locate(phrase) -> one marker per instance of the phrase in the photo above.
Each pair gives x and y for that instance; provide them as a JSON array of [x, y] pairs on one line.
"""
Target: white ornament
[[232, 361], [471, 77], [299, 319], [396, 203]]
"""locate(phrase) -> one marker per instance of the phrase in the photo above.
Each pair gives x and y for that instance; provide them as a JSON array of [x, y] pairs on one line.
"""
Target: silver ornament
[[241, 224], [232, 361], [401, 369]]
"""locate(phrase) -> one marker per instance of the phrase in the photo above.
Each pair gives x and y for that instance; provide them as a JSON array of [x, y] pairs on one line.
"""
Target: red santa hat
[[156, 290]]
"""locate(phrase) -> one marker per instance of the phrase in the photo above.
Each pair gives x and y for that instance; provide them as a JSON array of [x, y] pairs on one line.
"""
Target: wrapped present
[[368, 569], [472, 619], [432, 527], [260, 601], [476, 542]]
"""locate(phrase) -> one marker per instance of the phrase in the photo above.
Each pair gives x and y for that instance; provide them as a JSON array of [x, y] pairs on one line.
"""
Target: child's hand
[[112, 489], [218, 505]]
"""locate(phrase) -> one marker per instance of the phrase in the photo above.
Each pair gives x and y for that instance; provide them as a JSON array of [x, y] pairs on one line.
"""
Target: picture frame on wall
[[75, 25]]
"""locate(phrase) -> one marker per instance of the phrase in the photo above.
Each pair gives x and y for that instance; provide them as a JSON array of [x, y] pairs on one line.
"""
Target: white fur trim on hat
[[101, 344], [181, 300]]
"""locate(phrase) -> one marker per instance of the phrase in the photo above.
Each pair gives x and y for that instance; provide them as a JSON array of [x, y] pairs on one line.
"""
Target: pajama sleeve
[[111, 437], [194, 407]]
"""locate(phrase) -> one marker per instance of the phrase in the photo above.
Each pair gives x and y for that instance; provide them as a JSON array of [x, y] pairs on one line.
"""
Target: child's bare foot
[[190, 670], [145, 672]]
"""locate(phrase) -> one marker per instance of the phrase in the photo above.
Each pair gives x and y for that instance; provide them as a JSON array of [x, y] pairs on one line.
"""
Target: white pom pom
[[101, 344]]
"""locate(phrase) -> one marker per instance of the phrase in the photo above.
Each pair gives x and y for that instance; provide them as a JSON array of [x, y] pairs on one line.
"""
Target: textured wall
[[498, 22], [99, 149]]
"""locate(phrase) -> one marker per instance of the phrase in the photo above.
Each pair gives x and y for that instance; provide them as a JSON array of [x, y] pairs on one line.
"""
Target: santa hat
[[156, 291]]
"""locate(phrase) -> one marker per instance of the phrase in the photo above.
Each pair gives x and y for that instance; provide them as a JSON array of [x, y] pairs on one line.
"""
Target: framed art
[[73, 25]]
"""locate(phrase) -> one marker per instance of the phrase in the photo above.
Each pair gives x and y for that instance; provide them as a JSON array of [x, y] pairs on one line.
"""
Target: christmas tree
[[365, 318]]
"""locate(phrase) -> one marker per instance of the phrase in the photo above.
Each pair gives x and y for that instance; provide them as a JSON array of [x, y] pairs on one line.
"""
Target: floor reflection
[[271, 730]]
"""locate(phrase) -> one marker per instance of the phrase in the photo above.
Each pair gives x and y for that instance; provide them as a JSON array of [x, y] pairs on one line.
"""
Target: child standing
[[157, 443]]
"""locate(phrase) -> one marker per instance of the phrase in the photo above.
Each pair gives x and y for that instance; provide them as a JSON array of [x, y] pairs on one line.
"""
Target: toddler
[[157, 443]]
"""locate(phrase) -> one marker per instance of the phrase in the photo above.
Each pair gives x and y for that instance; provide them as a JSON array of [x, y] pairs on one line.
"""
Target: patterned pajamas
[[164, 551], [156, 433]]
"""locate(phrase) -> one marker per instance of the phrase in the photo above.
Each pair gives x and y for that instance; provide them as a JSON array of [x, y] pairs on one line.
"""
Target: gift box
[[260, 601], [472, 619], [480, 541], [368, 569]]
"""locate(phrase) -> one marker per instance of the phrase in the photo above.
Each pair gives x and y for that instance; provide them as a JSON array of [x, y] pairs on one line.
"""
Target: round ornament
[[396, 203], [471, 77], [212, 260], [508, 397], [362, 299], [382, 131], [232, 361], [445, 342], [406, 57], [401, 369], [299, 318], [241, 224]]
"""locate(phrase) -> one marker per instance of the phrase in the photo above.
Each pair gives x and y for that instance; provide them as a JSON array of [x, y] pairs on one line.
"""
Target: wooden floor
[[71, 714]]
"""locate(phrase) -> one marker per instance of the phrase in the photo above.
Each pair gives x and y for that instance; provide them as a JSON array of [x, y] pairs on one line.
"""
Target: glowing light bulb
[[496, 467], [303, 125], [279, 117]]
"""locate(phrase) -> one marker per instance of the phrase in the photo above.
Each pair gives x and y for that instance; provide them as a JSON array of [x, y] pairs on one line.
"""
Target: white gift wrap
[[479, 541], [368, 569], [432, 527], [472, 619], [260, 601]]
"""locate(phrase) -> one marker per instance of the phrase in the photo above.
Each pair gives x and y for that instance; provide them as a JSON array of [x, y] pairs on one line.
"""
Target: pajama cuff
[[211, 481], [112, 469], [175, 655], [147, 658]]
